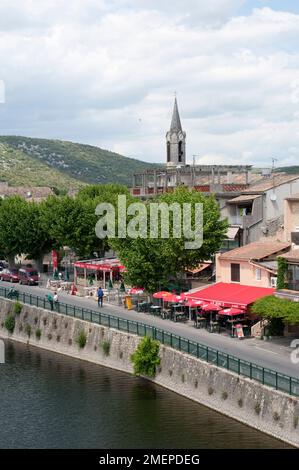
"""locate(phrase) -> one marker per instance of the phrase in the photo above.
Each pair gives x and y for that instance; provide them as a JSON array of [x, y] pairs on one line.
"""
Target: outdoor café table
[[199, 321], [156, 309], [214, 326], [166, 313]]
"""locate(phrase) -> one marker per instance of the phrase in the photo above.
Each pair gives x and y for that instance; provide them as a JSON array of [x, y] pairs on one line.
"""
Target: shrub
[[276, 416], [38, 333], [146, 357], [81, 339], [28, 329], [257, 408], [10, 323], [106, 347], [17, 308]]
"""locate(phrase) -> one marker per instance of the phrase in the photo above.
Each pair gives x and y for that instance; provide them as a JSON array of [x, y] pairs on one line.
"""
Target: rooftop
[[31, 193], [271, 182], [255, 251], [292, 255]]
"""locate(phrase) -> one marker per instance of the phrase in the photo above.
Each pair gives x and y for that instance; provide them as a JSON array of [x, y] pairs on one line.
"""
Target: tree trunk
[[11, 261], [39, 262]]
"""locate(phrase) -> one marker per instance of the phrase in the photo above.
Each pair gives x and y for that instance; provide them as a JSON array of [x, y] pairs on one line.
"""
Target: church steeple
[[175, 121], [176, 140]]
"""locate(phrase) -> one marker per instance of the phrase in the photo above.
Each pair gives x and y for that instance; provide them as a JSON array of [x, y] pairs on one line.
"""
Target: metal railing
[[241, 367]]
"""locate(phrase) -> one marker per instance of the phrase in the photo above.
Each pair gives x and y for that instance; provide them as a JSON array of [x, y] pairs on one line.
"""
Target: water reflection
[[53, 401]]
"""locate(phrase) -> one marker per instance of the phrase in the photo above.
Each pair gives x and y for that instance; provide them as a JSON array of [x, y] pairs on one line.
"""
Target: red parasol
[[211, 308], [231, 312]]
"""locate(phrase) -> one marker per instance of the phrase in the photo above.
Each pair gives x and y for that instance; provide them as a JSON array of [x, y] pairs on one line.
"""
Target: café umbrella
[[136, 291], [231, 312], [191, 303], [161, 294], [211, 308]]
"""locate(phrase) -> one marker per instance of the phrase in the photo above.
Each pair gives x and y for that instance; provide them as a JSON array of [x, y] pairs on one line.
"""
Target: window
[[258, 274], [180, 151], [168, 151], [235, 272]]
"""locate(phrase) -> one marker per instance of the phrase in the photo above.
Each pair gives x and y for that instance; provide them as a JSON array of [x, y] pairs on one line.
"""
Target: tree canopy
[[275, 307], [151, 261]]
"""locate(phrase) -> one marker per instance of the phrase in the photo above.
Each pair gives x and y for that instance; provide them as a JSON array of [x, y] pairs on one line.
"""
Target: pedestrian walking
[[50, 300], [55, 300], [100, 294]]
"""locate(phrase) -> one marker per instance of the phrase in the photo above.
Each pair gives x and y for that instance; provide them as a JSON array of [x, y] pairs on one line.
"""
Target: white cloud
[[105, 72]]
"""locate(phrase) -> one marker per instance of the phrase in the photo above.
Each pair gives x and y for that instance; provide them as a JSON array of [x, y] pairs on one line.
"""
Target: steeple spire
[[176, 140], [175, 121]]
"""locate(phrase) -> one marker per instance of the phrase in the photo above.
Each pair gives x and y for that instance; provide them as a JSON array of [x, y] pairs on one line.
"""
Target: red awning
[[99, 265], [231, 295]]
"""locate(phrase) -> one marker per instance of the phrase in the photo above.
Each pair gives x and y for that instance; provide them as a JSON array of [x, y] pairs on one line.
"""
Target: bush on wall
[[10, 323], [146, 357]]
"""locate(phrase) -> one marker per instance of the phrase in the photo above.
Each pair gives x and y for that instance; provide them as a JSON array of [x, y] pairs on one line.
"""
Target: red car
[[9, 275]]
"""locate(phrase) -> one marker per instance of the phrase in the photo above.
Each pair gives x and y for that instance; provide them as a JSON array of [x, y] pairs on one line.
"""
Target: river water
[[52, 401]]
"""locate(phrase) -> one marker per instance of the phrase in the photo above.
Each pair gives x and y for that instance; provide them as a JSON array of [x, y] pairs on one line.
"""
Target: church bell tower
[[176, 140]]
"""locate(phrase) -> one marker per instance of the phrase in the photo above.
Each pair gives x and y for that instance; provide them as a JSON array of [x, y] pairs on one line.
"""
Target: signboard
[[239, 331]]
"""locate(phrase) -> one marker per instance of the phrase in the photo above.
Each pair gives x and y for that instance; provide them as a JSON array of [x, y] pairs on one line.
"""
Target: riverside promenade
[[274, 354]]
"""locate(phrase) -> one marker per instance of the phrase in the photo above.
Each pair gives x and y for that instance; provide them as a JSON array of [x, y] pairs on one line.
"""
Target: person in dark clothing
[[51, 301], [100, 294]]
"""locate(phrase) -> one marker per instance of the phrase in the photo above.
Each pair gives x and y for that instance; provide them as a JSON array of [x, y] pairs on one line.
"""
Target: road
[[274, 354]]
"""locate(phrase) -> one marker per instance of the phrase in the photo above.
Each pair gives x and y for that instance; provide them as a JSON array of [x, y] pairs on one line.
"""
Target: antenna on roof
[[274, 160]]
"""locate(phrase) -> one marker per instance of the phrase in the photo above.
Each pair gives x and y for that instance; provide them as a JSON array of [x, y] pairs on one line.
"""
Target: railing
[[260, 374]]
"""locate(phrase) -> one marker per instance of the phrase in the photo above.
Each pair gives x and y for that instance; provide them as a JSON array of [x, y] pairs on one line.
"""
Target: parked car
[[28, 276], [3, 265], [9, 275]]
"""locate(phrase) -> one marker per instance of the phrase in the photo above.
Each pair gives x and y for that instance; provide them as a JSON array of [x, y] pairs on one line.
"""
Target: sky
[[104, 72]]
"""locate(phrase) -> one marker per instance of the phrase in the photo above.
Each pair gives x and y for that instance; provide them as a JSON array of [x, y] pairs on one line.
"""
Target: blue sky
[[104, 72], [279, 5]]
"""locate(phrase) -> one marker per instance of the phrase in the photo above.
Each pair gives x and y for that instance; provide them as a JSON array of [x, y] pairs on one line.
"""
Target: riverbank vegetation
[[146, 357]]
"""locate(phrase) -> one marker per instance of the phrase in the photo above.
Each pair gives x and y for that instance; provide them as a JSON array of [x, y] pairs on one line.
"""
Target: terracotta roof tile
[[255, 251]]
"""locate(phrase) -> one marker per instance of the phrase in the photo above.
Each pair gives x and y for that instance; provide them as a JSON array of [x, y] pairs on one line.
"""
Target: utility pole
[[274, 160]]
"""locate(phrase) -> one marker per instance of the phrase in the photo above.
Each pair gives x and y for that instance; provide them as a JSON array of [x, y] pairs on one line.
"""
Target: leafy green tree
[[146, 357], [71, 222], [14, 217], [151, 261], [103, 192], [272, 307], [38, 240]]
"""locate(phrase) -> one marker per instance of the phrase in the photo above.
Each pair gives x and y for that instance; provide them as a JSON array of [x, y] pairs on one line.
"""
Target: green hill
[[289, 169], [65, 165]]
